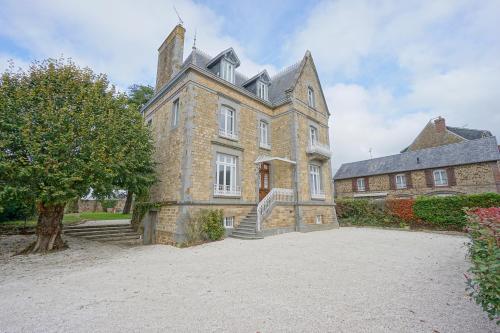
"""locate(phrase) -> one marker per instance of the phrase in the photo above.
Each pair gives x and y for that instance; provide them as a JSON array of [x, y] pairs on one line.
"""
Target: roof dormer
[[259, 85], [224, 64]]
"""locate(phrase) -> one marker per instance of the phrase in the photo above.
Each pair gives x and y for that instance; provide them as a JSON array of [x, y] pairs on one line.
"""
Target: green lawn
[[72, 218]]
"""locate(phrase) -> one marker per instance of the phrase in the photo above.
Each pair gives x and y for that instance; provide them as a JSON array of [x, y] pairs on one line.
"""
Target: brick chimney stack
[[440, 124], [170, 56]]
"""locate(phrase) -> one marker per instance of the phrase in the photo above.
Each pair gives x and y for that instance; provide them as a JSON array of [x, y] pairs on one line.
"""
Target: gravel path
[[347, 280]]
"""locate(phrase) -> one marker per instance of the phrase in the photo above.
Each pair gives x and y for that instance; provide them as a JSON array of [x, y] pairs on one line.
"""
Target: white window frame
[[319, 219], [400, 180], [227, 70], [313, 135], [310, 97], [316, 182], [227, 123], [361, 185], [175, 113], [440, 177], [227, 183], [262, 90], [264, 134], [229, 222]]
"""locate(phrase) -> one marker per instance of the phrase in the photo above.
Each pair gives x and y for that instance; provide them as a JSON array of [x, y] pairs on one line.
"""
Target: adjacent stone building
[[256, 147], [441, 160]]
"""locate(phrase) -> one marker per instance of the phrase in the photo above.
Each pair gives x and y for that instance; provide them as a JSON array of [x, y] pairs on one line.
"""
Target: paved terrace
[[347, 280]]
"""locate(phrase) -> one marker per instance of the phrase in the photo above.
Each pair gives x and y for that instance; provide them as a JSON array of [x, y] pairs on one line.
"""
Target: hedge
[[448, 212], [366, 212], [484, 250]]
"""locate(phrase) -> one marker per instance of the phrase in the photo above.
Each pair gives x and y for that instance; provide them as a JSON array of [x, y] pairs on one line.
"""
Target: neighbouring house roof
[[469, 134], [466, 152]]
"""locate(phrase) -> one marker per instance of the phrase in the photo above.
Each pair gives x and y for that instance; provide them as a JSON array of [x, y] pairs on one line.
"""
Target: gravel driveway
[[347, 280]]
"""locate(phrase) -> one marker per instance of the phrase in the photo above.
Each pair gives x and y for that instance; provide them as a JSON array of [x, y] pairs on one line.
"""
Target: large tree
[[64, 131], [138, 95]]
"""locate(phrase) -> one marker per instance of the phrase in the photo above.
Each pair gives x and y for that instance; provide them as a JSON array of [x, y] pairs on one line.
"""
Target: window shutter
[[354, 185], [428, 178], [452, 181], [392, 181], [367, 184], [409, 183]]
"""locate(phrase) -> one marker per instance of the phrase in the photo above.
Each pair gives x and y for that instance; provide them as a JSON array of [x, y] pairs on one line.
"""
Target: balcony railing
[[264, 145], [227, 190], [318, 195], [319, 149], [266, 205], [228, 134]]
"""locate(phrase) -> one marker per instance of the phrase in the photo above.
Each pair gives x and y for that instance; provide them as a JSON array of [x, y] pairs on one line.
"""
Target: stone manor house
[[442, 160], [257, 147]]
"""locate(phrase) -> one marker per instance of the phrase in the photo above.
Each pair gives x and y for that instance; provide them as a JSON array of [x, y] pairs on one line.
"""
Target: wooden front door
[[264, 180]]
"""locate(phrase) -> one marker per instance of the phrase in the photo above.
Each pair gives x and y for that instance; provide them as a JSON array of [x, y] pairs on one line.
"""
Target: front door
[[264, 180]]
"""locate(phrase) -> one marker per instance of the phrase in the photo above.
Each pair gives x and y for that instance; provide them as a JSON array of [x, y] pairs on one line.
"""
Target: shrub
[[365, 212], [211, 222], [484, 286], [448, 212], [108, 203], [402, 209]]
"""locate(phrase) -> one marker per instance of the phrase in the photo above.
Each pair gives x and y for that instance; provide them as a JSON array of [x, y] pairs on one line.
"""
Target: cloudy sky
[[387, 67]]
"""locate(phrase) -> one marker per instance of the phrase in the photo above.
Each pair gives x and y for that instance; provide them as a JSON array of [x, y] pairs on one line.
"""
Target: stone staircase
[[104, 233], [247, 229]]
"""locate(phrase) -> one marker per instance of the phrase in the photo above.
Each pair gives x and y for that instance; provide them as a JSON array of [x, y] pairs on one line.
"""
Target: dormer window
[[310, 97], [227, 71], [262, 90]]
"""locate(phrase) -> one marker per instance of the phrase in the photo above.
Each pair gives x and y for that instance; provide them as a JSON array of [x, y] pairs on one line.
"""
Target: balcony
[[228, 134], [226, 191], [319, 151], [318, 195]]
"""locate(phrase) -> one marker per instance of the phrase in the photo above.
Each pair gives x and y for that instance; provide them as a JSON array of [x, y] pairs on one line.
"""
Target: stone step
[[244, 228], [97, 227], [103, 236], [249, 220], [245, 237], [97, 232], [116, 239], [244, 233], [248, 225]]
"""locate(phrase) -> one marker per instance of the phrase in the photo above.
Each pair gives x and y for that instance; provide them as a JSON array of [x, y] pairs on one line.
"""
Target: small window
[[361, 184], [175, 113], [264, 134], [319, 219], [440, 177], [313, 135], [400, 181], [229, 222], [150, 122], [227, 71], [262, 90], [310, 97]]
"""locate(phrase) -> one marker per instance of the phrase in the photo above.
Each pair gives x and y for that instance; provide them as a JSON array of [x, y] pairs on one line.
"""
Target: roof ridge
[[286, 70]]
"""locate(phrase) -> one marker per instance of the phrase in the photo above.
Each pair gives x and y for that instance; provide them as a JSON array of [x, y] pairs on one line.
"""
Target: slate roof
[[280, 83], [469, 134], [466, 152]]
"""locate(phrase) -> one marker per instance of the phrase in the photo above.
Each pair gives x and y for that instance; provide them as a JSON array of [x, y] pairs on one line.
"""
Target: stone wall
[[471, 178], [95, 206], [431, 136]]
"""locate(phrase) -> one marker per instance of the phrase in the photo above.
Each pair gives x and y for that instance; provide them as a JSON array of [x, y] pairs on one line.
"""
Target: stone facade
[[186, 152], [434, 134]]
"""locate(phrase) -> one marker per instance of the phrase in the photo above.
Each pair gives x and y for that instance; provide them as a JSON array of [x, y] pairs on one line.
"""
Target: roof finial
[[194, 41], [181, 22]]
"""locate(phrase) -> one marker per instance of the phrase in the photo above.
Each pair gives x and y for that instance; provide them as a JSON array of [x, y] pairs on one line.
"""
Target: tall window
[[262, 90], [264, 134], [227, 123], [310, 96], [313, 135], [400, 181], [175, 113], [226, 175], [227, 71], [360, 182], [315, 181], [440, 177]]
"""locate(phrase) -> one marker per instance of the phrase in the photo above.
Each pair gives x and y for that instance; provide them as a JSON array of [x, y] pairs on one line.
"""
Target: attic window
[[227, 71], [262, 90], [310, 97]]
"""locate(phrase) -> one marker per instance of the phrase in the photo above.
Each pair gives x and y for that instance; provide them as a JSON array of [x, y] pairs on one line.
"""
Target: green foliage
[[211, 222], [484, 252], [15, 205], [448, 212], [108, 203], [364, 212], [139, 95], [64, 130]]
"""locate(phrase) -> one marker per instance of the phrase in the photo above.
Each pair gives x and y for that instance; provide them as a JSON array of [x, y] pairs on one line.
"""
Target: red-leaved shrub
[[402, 208]]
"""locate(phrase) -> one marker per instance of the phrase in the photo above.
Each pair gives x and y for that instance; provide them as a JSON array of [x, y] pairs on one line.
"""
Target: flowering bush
[[484, 250]]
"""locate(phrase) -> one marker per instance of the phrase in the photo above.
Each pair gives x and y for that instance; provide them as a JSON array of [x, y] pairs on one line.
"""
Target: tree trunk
[[48, 229], [128, 203]]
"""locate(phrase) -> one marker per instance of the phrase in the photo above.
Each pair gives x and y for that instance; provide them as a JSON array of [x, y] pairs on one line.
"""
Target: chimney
[[170, 56], [440, 125]]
